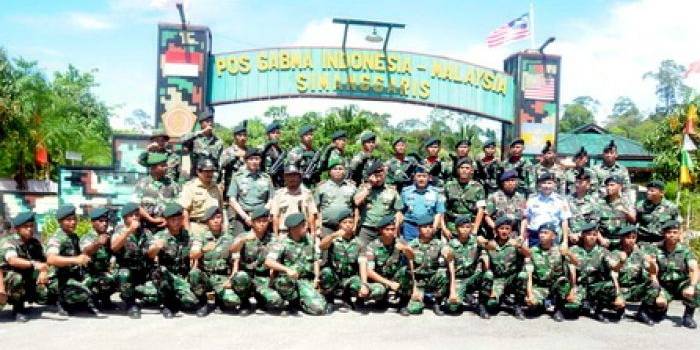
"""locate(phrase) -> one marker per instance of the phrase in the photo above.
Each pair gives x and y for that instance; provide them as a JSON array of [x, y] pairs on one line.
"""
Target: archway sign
[[524, 98]]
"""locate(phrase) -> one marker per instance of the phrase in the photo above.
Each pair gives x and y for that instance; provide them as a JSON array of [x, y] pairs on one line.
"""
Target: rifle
[[276, 167], [314, 164]]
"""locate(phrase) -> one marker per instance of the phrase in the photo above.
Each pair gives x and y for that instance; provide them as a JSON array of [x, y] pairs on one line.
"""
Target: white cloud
[[88, 21]]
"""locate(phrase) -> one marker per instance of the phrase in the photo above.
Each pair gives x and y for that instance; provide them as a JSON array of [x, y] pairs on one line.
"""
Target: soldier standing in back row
[[203, 144], [610, 167], [549, 164], [155, 191], [581, 165], [159, 144], [488, 168], [273, 153], [250, 189], [233, 157], [521, 165], [361, 159], [399, 167], [302, 155]]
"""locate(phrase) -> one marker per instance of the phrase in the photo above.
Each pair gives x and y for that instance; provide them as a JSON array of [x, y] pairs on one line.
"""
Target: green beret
[[465, 160], [367, 136], [159, 132], [273, 126], [340, 134], [431, 141], [613, 178], [65, 211], [400, 139], [517, 141], [259, 213], [240, 128], [294, 220], [305, 130], [98, 213], [467, 142], [627, 230], [656, 184], [340, 215], [172, 209], [386, 221], [205, 114], [503, 220], [588, 227], [425, 220], [670, 224], [463, 219], [335, 162], [210, 212], [155, 158], [23, 218], [490, 143], [547, 226], [252, 152], [129, 208]]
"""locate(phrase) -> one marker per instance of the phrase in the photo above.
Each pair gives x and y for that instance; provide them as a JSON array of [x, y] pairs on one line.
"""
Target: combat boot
[[20, 313], [60, 310], [167, 313], [600, 316], [518, 312], [94, 310], [557, 316], [203, 310], [437, 309], [688, 320], [134, 311], [643, 317], [484, 312]]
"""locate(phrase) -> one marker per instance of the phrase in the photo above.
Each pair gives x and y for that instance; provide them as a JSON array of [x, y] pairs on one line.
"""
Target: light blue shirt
[[419, 202], [541, 209]]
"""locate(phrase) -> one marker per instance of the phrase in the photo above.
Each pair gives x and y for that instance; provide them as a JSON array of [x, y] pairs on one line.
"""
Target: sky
[[606, 46]]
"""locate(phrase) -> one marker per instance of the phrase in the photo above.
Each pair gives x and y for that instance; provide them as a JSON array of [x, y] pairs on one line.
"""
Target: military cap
[[374, 167], [583, 175], [503, 220], [159, 132], [425, 220], [386, 221], [548, 226], [210, 212], [367, 136], [656, 184], [341, 214], [545, 177], [273, 126], [98, 213], [490, 143], [334, 162], [305, 130], [172, 209], [294, 220], [509, 174], [205, 114], [547, 147], [400, 139], [613, 178], [465, 160], [517, 141], [431, 141], [340, 134], [155, 158], [670, 224], [65, 211], [129, 208], [259, 212], [610, 146], [589, 227], [627, 230], [581, 153], [463, 219], [240, 128], [467, 142], [206, 164], [23, 218], [419, 169], [292, 169], [252, 152]]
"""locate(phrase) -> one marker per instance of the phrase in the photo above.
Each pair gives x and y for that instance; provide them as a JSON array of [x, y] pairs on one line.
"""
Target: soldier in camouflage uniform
[[653, 212], [506, 257], [203, 144], [399, 167], [211, 251], [384, 257], [463, 195], [462, 148], [488, 168], [614, 211], [159, 144], [233, 157], [250, 189], [291, 199], [272, 152], [521, 165], [296, 263], [506, 202], [302, 155], [95, 244], [433, 271], [595, 286], [549, 164], [155, 191], [583, 204], [581, 165], [471, 264], [129, 244], [365, 156], [332, 194], [345, 273], [678, 274], [169, 249], [374, 200], [63, 252], [438, 170], [24, 268], [610, 167], [250, 275], [335, 154], [549, 277]]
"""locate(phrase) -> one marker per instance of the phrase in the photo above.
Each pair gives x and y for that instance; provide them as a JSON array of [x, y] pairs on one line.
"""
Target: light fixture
[[374, 37]]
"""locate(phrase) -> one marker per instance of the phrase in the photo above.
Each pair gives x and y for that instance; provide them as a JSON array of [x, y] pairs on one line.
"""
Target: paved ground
[[342, 330]]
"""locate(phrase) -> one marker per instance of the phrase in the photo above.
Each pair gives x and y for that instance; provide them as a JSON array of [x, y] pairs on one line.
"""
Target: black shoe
[[557, 316], [404, 311], [518, 312], [688, 321], [134, 311], [619, 313], [246, 308], [643, 317], [95, 311], [203, 310], [167, 313], [600, 317], [60, 310], [438, 310], [329, 309], [20, 313], [483, 312]]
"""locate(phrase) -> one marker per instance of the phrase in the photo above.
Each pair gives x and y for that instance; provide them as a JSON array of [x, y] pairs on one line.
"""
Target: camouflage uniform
[[650, 216], [570, 176], [380, 202], [174, 162], [203, 147], [603, 171], [549, 275], [439, 170], [559, 176], [301, 157], [469, 274], [251, 191], [20, 285], [506, 264], [633, 278], [583, 210], [253, 277], [397, 173], [232, 161], [69, 283], [213, 270], [300, 256], [612, 218], [271, 152], [154, 195], [500, 204], [593, 277], [523, 167], [357, 164], [343, 270], [462, 198], [487, 172], [673, 274], [331, 196], [387, 262], [99, 278], [430, 271], [133, 268], [172, 271]]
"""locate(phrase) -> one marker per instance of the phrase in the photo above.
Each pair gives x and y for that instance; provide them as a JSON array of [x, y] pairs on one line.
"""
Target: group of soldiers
[[258, 228]]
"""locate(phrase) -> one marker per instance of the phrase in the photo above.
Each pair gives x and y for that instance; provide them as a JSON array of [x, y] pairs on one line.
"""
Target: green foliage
[[575, 115], [695, 246], [670, 89], [51, 225]]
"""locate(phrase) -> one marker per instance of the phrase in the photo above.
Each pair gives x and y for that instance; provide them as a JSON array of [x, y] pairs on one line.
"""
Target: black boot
[[643, 317], [558, 316], [167, 312], [94, 310], [247, 308], [619, 313], [133, 311], [600, 316], [484, 312], [437, 309], [518, 312], [203, 310], [20, 313], [688, 320], [60, 310]]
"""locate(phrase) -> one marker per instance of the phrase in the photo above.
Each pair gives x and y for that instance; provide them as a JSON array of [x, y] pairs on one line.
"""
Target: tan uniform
[[285, 202], [196, 198]]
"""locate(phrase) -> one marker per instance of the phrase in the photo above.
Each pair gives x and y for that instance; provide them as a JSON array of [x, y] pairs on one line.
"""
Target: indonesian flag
[[177, 61], [687, 165]]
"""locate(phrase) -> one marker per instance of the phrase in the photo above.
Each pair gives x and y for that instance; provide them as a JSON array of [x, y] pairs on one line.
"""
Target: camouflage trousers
[[556, 290], [674, 290], [258, 287], [331, 281], [22, 287], [219, 283], [133, 284], [71, 291], [174, 290], [505, 285], [102, 284], [602, 294], [641, 292], [300, 291], [404, 279], [475, 282], [435, 284]]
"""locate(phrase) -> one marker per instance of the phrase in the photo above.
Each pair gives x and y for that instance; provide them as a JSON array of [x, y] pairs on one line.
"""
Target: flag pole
[[532, 25]]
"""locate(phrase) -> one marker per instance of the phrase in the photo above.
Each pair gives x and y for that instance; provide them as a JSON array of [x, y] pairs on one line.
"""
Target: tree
[[625, 119], [670, 89], [140, 121]]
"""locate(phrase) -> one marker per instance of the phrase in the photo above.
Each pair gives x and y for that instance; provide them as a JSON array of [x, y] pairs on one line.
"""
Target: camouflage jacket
[[466, 255], [650, 216], [487, 172], [343, 256], [100, 261], [154, 194], [611, 216], [428, 256], [13, 246], [548, 265], [559, 176], [593, 265], [673, 266], [583, 210], [64, 244], [217, 260], [570, 176], [175, 255], [505, 260], [133, 255], [603, 171], [499, 204], [204, 147], [253, 254], [384, 260], [298, 255], [463, 198], [357, 165], [523, 167], [634, 271], [380, 201], [398, 171]]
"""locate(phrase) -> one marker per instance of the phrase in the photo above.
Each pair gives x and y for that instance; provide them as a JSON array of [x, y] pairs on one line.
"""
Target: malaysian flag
[[516, 29], [540, 89]]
